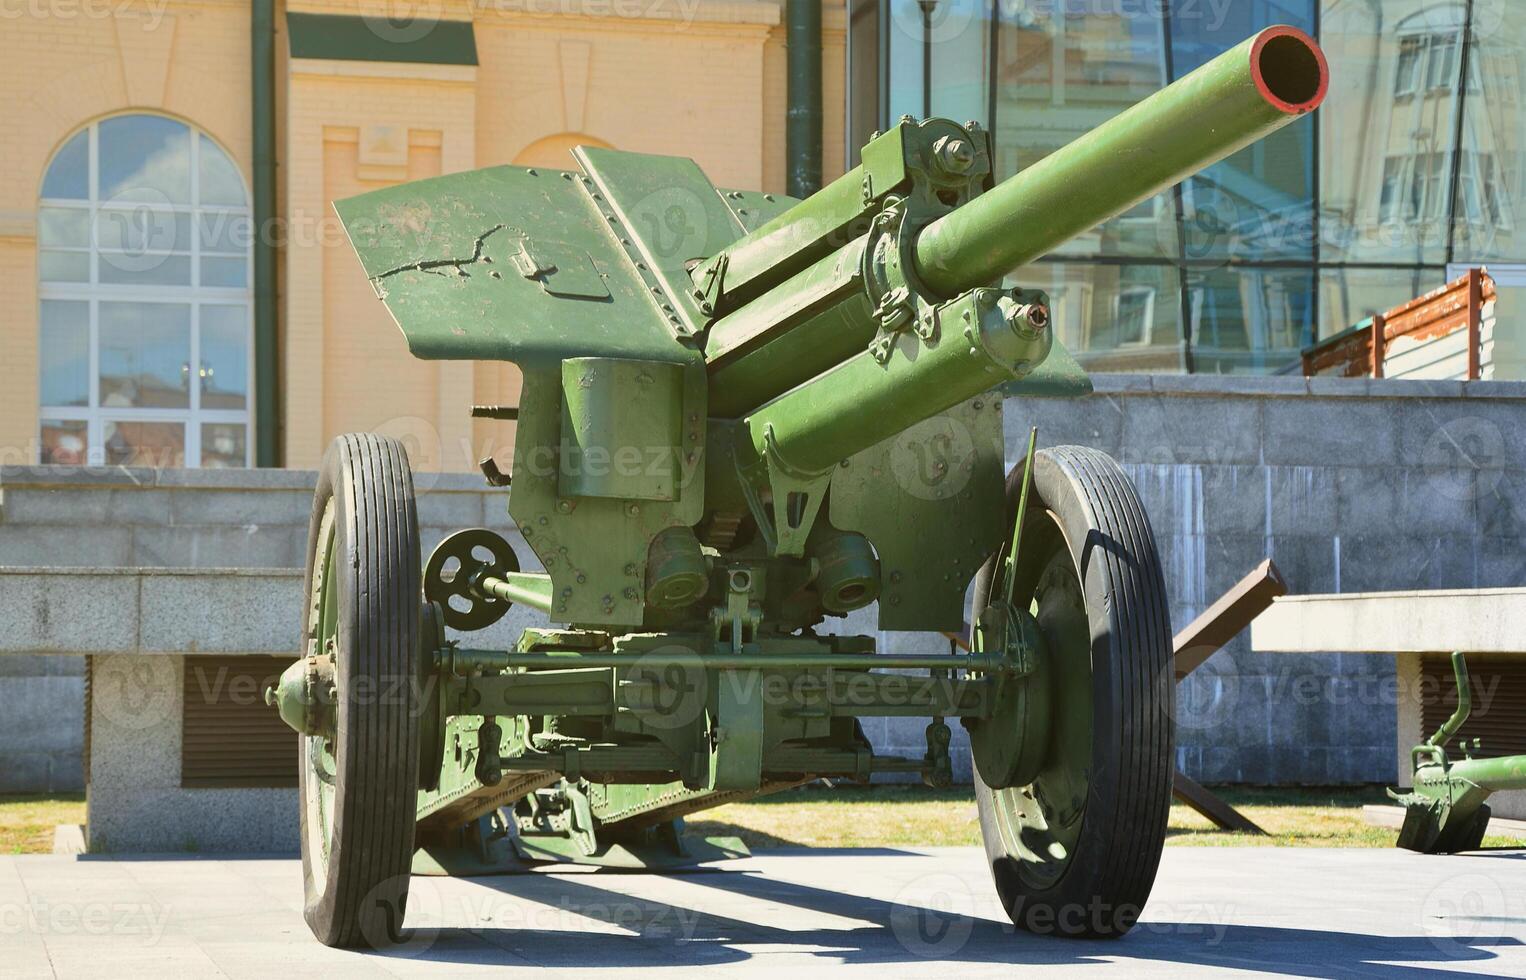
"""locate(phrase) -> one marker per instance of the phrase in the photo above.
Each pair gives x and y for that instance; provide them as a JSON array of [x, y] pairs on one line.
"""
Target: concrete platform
[[1296, 912], [1426, 621]]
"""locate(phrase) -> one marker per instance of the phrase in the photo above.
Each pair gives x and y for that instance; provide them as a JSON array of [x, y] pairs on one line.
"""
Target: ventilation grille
[[229, 735], [1499, 703]]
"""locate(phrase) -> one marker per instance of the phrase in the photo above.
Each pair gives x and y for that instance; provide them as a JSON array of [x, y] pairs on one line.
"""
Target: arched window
[[144, 236]]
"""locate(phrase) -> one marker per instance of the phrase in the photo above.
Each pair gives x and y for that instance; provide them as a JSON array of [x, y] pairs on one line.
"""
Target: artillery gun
[[1445, 810], [742, 414]]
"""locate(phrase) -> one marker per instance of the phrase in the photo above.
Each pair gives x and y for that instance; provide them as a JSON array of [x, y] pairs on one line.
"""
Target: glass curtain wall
[[1414, 165]]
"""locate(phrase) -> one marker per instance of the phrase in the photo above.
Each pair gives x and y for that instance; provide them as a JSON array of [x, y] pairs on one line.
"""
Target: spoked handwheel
[[1073, 808], [359, 779]]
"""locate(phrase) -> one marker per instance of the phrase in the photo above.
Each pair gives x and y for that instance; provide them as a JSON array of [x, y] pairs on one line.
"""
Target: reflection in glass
[[1113, 317], [225, 231], [53, 266], [69, 174], [156, 444], [138, 269], [1259, 203], [904, 38], [223, 445], [145, 158], [1063, 69], [220, 182], [1349, 296], [1250, 321], [145, 354], [143, 227], [960, 51], [1386, 132], [224, 273], [1492, 171], [64, 352], [66, 227], [224, 357], [64, 442]]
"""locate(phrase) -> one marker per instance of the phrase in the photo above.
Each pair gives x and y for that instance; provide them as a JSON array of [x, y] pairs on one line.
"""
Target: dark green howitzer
[[742, 414], [1445, 811]]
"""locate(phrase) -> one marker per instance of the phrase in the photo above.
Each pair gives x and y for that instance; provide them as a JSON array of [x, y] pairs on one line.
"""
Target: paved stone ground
[[1332, 913]]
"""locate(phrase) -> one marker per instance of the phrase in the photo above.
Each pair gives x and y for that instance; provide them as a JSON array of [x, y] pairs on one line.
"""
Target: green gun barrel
[[1238, 98]]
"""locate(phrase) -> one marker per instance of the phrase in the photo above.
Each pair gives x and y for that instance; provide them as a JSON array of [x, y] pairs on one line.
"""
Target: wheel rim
[[319, 755], [1040, 824]]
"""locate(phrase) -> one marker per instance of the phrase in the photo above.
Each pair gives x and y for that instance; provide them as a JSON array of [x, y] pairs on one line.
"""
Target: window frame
[[93, 292]]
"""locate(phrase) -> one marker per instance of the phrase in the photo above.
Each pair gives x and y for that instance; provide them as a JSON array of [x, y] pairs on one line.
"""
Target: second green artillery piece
[[1445, 810], [743, 415]]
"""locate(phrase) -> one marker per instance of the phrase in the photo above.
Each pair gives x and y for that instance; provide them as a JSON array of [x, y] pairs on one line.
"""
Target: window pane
[[144, 443], [225, 231], [223, 445], [1114, 318], [1494, 143], [1411, 55], [64, 442], [69, 173], [1259, 203], [224, 272], [64, 352], [145, 354], [1250, 321], [224, 357], [960, 46], [220, 182], [906, 50], [63, 266], [69, 227], [1349, 296], [143, 227], [150, 269], [145, 158], [1366, 130], [1063, 69]]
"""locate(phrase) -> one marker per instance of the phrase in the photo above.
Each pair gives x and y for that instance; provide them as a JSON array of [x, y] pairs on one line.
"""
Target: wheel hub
[[1011, 743], [305, 695]]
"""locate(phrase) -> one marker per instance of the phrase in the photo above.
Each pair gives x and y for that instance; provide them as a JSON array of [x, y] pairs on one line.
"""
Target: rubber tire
[[1123, 829], [362, 899]]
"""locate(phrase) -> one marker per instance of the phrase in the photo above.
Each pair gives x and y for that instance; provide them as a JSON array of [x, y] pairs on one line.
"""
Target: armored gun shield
[[742, 415]]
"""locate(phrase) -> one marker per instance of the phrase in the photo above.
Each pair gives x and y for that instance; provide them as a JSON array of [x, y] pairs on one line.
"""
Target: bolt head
[[955, 156]]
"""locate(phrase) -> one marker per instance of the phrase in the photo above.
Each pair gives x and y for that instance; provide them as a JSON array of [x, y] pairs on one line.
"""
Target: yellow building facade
[[126, 230]]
